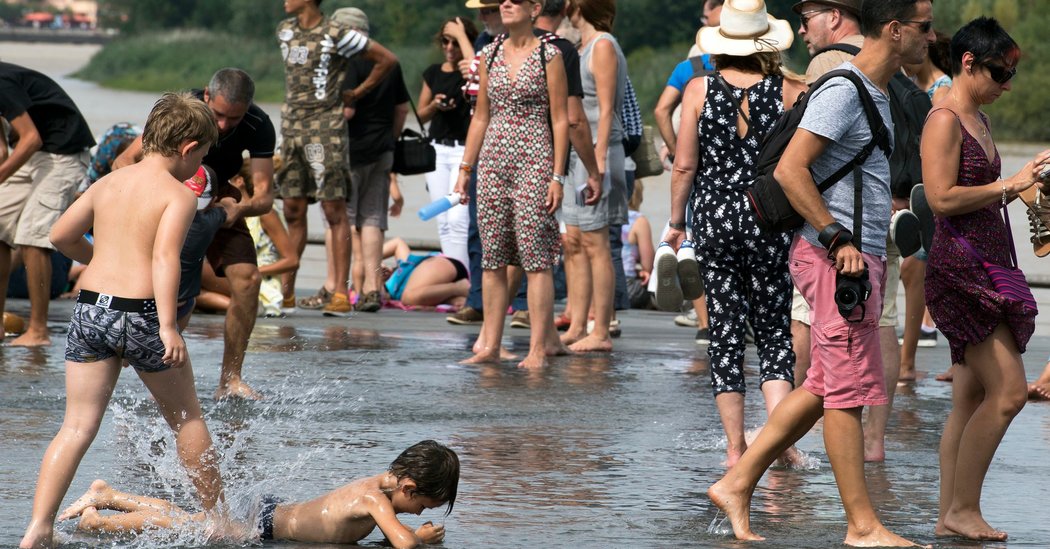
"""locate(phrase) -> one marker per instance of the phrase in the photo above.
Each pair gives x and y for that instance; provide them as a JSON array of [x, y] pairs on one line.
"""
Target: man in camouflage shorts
[[316, 51]]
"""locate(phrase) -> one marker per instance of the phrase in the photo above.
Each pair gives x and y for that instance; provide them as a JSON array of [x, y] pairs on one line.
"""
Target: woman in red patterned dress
[[519, 134]]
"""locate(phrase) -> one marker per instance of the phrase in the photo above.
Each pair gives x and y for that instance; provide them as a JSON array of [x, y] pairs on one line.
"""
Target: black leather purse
[[413, 152]]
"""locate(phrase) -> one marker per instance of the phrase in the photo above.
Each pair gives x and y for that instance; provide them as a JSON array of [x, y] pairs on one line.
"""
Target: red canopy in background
[[38, 17]]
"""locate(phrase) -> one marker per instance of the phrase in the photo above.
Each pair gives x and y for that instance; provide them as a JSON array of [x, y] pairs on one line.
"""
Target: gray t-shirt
[[835, 112]]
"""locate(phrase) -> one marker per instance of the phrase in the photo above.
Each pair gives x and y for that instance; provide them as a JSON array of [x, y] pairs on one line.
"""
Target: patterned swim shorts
[[98, 332]]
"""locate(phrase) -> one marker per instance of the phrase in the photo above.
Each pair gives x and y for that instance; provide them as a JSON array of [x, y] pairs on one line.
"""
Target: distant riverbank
[[56, 36]]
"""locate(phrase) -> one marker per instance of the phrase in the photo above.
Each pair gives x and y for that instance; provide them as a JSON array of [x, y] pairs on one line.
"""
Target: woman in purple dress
[[987, 332]]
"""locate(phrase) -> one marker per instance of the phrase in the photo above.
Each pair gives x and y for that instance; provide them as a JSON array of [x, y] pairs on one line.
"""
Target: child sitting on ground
[[424, 476]]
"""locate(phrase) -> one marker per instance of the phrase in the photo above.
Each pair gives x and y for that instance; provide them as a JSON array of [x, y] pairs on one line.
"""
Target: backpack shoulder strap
[[879, 134], [499, 43], [839, 46]]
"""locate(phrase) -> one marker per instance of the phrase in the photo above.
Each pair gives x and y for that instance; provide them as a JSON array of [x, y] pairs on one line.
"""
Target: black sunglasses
[[1002, 75], [924, 26], [446, 41], [807, 15]]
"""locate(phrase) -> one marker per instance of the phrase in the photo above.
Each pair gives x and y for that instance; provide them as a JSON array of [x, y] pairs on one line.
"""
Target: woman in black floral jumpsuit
[[745, 271]]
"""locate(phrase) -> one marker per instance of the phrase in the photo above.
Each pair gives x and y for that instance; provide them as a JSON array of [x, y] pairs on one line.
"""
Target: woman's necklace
[[977, 119]]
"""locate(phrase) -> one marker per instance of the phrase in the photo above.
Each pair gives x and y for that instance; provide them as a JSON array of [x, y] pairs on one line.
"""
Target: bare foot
[[791, 458], [907, 373], [489, 356], [555, 347], [237, 389], [878, 537], [37, 537], [570, 337], [96, 496], [737, 506], [480, 346], [592, 344], [971, 526], [947, 375], [32, 338], [90, 520], [534, 361], [1039, 391]]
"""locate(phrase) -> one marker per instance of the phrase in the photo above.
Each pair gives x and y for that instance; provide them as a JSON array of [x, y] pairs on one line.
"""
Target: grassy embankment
[[182, 59]]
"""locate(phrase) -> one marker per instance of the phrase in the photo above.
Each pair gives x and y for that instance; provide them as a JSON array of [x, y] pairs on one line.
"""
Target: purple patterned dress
[[959, 293]]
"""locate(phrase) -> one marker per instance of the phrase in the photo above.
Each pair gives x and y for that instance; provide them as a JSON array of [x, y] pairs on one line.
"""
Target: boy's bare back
[[341, 516], [134, 211]]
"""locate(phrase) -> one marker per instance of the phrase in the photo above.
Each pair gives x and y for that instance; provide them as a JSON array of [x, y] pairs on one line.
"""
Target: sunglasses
[[515, 2], [807, 15], [924, 26], [488, 11], [1002, 75], [445, 41]]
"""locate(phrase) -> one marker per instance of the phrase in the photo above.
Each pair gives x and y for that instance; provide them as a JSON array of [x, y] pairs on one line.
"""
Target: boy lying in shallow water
[[424, 476]]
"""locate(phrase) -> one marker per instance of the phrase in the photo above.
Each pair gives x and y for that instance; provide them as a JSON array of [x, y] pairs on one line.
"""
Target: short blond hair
[[175, 119]]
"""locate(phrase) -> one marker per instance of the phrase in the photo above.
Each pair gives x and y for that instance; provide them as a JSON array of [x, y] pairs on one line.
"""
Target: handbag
[[646, 157], [413, 152], [1008, 281]]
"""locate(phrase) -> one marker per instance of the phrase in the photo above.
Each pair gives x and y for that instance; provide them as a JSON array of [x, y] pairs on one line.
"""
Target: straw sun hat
[[745, 28]]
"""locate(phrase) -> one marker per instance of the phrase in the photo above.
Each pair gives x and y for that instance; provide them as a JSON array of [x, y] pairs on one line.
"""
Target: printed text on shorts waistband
[[128, 305]]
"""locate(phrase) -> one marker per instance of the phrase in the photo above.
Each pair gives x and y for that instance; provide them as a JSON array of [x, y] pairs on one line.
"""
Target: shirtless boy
[[424, 476], [126, 309]]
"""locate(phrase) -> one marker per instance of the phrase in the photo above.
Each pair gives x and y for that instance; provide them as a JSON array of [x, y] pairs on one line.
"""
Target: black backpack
[[909, 107], [773, 211]]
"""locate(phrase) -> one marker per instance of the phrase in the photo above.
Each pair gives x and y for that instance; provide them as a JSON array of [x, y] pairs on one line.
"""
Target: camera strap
[[858, 205]]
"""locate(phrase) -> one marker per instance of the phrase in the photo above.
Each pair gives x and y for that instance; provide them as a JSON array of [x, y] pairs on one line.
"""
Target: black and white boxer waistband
[[115, 303], [449, 142]]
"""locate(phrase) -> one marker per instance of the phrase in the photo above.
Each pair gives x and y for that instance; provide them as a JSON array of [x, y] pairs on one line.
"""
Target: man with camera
[[840, 274]]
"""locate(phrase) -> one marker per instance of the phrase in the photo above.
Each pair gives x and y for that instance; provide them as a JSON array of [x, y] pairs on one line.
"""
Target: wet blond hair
[[177, 118]]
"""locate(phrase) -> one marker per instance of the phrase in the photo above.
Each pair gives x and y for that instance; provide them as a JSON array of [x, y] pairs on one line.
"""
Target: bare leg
[[844, 441], [176, 397], [541, 308], [731, 410], [774, 391], [335, 214], [244, 282], [295, 216], [372, 254], [913, 273], [88, 390], [136, 521], [700, 306], [38, 279], [996, 365], [5, 276], [103, 496], [494, 299], [596, 247], [879, 416], [967, 395], [800, 343], [578, 280], [431, 283], [792, 418]]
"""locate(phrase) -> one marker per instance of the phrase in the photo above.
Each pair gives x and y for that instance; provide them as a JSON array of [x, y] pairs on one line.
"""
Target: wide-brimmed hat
[[745, 28], [852, 6], [352, 17], [483, 3]]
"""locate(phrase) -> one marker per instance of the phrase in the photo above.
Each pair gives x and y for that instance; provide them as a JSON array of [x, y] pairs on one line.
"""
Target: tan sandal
[[318, 301]]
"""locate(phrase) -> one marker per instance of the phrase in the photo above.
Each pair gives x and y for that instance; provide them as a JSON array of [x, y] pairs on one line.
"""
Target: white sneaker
[[668, 290], [687, 320], [689, 272]]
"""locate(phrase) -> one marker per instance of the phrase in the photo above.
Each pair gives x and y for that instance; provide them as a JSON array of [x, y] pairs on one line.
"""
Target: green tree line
[[167, 44]]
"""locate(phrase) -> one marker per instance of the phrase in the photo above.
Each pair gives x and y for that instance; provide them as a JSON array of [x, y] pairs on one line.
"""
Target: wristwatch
[[559, 178], [677, 226]]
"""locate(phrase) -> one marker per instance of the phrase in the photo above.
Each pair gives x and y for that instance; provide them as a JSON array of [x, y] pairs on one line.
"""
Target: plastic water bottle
[[438, 206]]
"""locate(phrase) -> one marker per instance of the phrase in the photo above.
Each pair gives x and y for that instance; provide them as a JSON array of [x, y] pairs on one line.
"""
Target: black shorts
[[269, 505]]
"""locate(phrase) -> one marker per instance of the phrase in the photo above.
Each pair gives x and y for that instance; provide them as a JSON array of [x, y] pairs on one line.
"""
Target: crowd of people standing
[[529, 125]]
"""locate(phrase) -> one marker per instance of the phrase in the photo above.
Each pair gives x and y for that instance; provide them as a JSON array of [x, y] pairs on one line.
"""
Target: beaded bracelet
[[1004, 192]]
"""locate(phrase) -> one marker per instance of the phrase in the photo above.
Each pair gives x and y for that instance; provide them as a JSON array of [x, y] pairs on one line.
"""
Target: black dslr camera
[[852, 292]]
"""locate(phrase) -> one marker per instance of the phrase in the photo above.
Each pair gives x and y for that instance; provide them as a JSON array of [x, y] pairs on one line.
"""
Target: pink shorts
[[846, 363]]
